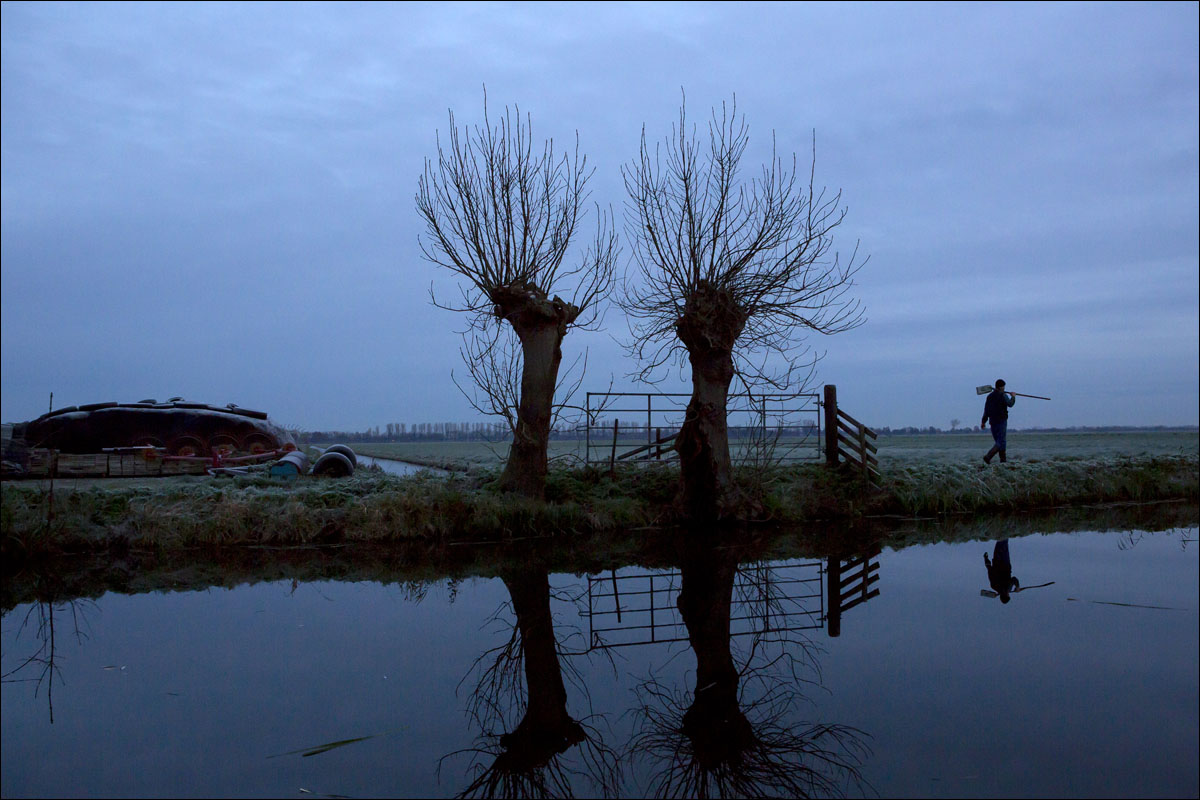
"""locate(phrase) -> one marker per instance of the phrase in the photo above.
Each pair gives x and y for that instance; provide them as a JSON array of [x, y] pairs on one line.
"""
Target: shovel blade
[[983, 390]]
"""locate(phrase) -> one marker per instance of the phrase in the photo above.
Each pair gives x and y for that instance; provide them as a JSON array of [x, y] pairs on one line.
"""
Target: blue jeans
[[999, 434]]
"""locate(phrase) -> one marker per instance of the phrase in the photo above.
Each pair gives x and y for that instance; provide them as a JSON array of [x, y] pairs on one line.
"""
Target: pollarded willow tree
[[504, 216], [733, 273]]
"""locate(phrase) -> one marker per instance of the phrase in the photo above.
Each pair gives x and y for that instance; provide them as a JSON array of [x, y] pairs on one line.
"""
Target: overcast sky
[[217, 201]]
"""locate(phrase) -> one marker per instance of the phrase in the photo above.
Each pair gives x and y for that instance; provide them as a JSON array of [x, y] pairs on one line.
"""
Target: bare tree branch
[[502, 215], [693, 221]]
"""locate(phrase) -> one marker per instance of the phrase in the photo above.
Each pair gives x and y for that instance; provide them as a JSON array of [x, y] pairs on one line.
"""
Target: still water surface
[[393, 467], [1084, 687]]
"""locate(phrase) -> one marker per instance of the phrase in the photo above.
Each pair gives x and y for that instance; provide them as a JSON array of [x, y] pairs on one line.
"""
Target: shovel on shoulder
[[989, 389]]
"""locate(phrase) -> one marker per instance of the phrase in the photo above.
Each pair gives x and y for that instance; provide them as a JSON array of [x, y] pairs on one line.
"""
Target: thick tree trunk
[[525, 470], [709, 327], [540, 324], [706, 471]]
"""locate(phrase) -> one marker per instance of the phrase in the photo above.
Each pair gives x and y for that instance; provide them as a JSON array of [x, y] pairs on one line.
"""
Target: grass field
[[893, 450], [1035, 447]]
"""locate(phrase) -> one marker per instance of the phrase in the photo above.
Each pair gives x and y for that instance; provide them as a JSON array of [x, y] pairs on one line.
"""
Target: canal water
[[394, 467], [714, 677]]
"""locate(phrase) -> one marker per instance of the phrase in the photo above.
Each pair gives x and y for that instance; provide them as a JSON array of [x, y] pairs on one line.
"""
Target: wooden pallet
[[109, 465]]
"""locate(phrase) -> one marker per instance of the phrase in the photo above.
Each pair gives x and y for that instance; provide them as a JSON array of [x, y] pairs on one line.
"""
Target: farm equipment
[[173, 437]]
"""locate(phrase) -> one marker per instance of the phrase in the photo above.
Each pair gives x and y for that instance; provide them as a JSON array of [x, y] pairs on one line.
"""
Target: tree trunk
[[541, 355], [540, 324], [706, 471], [708, 327]]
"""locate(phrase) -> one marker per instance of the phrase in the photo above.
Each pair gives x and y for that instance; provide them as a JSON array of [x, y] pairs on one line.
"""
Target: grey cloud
[[235, 183]]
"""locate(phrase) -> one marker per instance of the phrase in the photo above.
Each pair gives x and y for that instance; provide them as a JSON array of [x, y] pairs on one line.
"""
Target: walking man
[[995, 408]]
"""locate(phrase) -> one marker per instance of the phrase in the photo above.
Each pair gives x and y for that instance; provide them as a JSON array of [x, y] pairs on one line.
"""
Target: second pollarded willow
[[732, 273]]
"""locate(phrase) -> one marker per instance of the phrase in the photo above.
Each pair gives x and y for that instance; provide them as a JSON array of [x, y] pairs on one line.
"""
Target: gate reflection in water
[[640, 606]]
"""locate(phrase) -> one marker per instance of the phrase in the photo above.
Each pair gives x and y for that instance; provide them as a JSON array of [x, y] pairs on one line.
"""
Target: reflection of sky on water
[[1053, 693], [258, 671], [966, 696]]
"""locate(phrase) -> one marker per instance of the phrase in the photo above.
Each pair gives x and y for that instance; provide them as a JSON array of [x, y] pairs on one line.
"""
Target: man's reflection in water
[[530, 758], [1000, 577], [738, 735], [999, 571]]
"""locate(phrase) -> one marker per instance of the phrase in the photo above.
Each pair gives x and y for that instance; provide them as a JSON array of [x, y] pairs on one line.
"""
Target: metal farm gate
[[639, 427]]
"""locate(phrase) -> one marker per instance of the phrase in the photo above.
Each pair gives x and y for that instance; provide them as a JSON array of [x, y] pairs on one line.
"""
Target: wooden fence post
[[831, 425], [649, 414], [612, 458]]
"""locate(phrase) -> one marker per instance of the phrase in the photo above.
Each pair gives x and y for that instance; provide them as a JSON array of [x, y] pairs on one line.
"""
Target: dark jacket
[[996, 407]]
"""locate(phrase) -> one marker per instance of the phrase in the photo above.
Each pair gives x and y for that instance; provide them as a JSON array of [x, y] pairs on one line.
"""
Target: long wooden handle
[[1034, 396]]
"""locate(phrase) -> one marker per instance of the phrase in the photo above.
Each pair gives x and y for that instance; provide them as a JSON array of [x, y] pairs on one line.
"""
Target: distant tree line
[[429, 432], [496, 431]]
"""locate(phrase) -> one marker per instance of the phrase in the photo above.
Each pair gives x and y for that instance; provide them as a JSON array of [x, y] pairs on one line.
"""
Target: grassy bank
[[960, 448], [953, 488], [373, 507]]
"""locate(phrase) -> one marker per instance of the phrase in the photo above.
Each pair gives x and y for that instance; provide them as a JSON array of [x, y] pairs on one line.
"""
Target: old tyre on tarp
[[224, 443], [145, 440], [333, 465], [257, 444], [344, 450], [187, 446]]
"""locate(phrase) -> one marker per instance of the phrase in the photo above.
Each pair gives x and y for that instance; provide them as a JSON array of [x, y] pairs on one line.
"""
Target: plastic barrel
[[333, 465], [298, 458], [344, 450]]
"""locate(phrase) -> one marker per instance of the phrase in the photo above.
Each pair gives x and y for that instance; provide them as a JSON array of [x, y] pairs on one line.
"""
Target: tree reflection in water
[[525, 676], [737, 735], [43, 665]]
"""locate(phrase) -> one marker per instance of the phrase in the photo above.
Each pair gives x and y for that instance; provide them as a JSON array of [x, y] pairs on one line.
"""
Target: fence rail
[[848, 441], [850, 583]]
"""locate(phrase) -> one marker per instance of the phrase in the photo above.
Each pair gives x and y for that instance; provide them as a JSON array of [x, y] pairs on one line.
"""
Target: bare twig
[[767, 241]]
